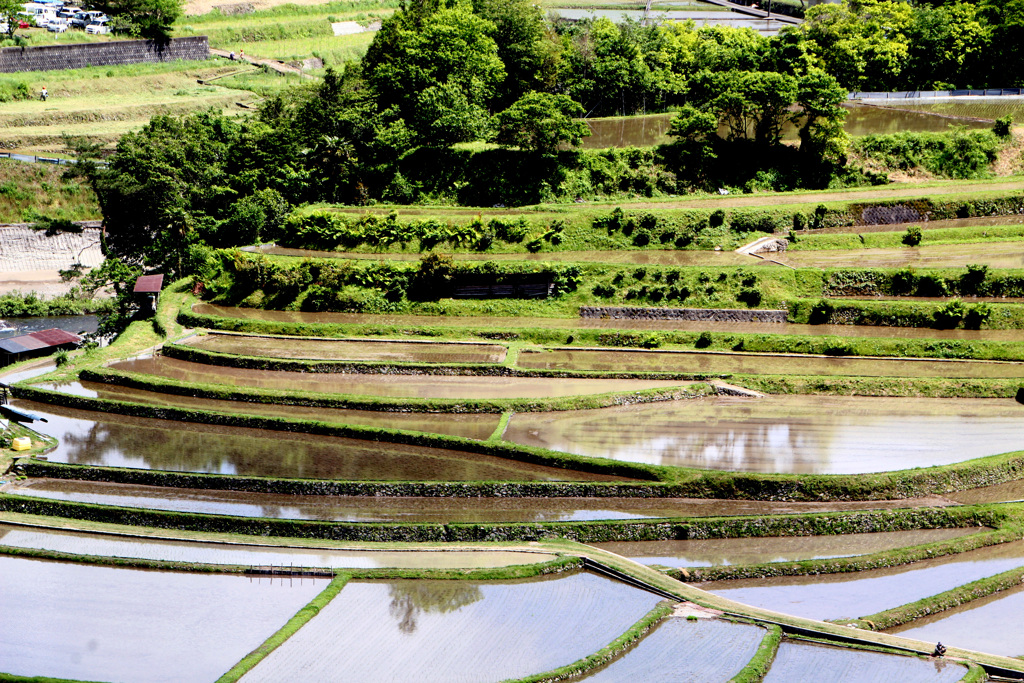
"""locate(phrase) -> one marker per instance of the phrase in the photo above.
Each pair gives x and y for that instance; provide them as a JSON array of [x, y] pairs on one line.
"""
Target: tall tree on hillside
[[435, 71], [947, 46], [529, 51], [146, 18]]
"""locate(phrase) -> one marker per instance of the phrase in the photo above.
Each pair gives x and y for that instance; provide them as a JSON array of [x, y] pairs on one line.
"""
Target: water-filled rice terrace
[[496, 491]]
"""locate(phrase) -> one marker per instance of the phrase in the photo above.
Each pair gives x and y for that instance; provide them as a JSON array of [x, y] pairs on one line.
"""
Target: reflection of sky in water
[[980, 625], [780, 434], [822, 664], [456, 630], [214, 553], [837, 597]]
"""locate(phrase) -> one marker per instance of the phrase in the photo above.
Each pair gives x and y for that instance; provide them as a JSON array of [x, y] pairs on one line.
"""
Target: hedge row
[[224, 392], [675, 482], [952, 314]]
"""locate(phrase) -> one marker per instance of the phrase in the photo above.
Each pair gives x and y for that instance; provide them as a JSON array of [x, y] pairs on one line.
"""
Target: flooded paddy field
[[389, 386], [497, 323], [470, 425], [761, 363], [846, 596], [144, 443], [989, 108], [996, 493], [991, 624], [652, 129], [786, 434], [926, 225], [80, 622], [715, 552], [427, 630], [348, 349], [991, 254], [680, 650], [414, 510], [110, 545], [823, 664]]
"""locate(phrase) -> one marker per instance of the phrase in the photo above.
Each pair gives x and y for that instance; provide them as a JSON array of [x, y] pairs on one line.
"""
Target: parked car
[[82, 19], [98, 26], [57, 25]]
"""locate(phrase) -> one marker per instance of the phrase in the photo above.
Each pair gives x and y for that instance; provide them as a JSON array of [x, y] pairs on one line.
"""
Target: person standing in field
[[43, 95]]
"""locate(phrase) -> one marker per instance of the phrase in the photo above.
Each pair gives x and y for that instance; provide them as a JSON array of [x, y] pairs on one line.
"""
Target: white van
[[99, 26]]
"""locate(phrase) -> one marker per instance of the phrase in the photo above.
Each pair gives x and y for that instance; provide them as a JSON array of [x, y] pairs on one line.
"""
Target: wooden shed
[[147, 291], [36, 344]]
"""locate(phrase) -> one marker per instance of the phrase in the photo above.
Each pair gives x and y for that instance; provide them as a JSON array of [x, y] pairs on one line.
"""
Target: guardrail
[[33, 159], [927, 94]]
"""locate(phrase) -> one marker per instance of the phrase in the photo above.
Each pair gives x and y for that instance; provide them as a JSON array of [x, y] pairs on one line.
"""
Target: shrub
[[704, 340], [1003, 126], [913, 236], [951, 314]]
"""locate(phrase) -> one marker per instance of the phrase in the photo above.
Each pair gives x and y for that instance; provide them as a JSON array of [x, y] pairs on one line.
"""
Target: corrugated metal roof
[[149, 284], [55, 337], [12, 346], [38, 340]]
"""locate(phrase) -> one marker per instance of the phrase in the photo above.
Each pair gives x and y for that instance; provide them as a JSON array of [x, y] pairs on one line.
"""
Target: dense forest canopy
[[445, 72]]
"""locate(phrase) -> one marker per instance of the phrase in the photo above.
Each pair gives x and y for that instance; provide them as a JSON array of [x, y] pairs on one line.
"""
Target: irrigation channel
[[471, 508]]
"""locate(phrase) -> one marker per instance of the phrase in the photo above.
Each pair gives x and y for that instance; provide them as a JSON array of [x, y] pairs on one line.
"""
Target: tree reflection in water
[[409, 598]]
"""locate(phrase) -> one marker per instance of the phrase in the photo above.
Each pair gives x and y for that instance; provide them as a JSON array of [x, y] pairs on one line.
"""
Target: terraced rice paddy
[[164, 445], [473, 426], [986, 625], [796, 434], [680, 650], [752, 363], [111, 545], [996, 493], [80, 622], [392, 386], [822, 664], [340, 349], [844, 596], [414, 510], [990, 108], [714, 552], [497, 323], [454, 631], [991, 254]]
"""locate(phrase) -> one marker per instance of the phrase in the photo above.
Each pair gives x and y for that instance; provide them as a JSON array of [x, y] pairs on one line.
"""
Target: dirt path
[[272, 64]]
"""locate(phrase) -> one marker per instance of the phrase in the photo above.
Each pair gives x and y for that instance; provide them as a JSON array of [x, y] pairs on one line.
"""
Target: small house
[[147, 292]]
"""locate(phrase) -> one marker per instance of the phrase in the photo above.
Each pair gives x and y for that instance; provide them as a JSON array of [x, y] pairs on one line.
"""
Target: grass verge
[[759, 664]]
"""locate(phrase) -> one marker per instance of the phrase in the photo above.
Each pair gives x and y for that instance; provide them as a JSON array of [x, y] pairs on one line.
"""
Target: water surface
[[786, 434], [349, 349], [469, 425], [797, 661], [410, 510], [456, 630], [848, 596], [714, 552], [119, 441], [172, 550], [990, 624], [80, 622], [680, 650], [757, 363], [391, 386]]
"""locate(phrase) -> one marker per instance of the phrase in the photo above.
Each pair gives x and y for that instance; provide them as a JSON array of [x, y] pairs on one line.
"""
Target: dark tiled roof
[[149, 284], [55, 337]]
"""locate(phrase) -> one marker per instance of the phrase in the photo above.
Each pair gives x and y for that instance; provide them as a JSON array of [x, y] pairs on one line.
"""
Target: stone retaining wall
[[80, 55], [718, 315]]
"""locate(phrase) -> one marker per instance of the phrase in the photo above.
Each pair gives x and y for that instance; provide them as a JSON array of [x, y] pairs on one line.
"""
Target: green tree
[[527, 48], [821, 98], [147, 18], [947, 45], [540, 122], [863, 43], [9, 15], [750, 104], [435, 69]]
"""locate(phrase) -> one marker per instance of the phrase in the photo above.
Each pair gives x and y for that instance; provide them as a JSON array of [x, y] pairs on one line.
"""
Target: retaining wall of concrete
[[80, 55]]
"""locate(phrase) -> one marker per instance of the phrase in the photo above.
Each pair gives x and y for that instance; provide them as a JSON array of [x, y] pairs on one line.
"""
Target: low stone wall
[[80, 55], [717, 315]]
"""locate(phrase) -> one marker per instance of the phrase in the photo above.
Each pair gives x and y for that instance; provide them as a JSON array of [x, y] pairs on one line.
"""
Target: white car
[[57, 25], [98, 27]]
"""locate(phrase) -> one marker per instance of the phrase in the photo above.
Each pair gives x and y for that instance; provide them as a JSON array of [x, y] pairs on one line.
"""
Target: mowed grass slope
[[30, 189]]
